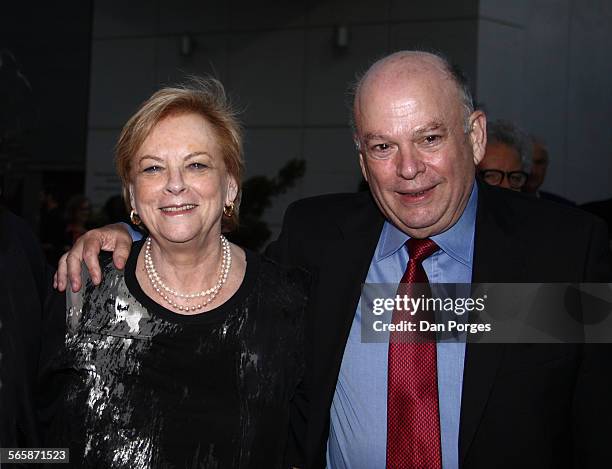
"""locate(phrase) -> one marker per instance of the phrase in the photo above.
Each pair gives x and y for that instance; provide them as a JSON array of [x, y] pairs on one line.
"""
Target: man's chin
[[417, 226]]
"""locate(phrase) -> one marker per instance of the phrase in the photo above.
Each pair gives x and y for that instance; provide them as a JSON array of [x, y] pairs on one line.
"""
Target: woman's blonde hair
[[203, 96]]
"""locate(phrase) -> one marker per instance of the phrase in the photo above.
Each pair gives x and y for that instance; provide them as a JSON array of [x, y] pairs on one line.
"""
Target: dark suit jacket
[[28, 331], [603, 209], [555, 198], [526, 405]]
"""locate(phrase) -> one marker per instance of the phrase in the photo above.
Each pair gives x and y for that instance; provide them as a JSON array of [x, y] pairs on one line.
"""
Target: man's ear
[[364, 169], [362, 162], [478, 135]]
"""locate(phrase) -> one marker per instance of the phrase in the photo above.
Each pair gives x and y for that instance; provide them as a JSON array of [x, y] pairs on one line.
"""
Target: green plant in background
[[257, 195]]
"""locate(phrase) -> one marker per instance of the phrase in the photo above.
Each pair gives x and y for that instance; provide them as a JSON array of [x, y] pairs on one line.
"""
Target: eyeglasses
[[495, 177]]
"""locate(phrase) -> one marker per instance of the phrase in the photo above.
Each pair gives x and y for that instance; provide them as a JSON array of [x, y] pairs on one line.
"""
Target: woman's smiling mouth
[[178, 209]]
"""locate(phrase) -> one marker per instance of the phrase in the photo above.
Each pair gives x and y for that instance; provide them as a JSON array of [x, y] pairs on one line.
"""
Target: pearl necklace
[[167, 293]]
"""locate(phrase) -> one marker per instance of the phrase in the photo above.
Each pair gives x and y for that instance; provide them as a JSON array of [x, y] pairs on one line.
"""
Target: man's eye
[[431, 139], [382, 147]]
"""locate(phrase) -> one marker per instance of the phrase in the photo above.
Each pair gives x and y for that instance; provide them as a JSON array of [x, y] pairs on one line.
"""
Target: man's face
[[539, 166], [414, 153], [502, 158]]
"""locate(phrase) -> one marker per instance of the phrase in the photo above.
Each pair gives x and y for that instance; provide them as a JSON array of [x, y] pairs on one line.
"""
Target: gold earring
[[134, 218], [228, 210]]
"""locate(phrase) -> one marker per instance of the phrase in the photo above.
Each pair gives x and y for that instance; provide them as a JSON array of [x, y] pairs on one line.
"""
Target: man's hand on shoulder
[[114, 238]]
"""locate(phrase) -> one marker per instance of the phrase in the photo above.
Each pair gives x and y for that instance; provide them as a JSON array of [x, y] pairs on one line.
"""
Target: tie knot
[[420, 249]]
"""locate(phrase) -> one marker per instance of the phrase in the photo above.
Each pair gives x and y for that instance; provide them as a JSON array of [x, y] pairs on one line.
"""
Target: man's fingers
[[91, 251], [118, 239], [121, 252], [73, 264], [87, 248], [61, 275]]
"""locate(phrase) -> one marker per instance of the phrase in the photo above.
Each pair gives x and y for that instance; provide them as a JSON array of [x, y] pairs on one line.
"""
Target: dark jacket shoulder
[[290, 284], [557, 242], [323, 208], [541, 217]]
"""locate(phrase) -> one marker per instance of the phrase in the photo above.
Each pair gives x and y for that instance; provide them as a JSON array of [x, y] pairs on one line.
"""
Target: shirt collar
[[452, 241]]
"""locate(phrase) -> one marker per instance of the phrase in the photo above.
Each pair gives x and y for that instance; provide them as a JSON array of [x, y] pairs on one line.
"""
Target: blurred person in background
[[507, 157], [78, 213], [603, 209], [114, 210], [52, 225], [537, 174], [31, 327]]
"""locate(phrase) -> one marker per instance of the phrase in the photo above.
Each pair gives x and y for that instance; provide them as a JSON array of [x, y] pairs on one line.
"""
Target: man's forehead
[[435, 125], [406, 71], [403, 97], [406, 111], [502, 150]]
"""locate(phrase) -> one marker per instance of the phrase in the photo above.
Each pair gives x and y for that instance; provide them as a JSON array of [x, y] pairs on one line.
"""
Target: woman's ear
[[232, 190], [132, 201]]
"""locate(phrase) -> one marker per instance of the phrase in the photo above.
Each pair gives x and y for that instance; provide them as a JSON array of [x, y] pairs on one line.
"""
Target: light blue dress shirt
[[358, 430], [135, 234]]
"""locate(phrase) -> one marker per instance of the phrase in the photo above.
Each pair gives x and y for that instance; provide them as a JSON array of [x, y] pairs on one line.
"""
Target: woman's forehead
[[183, 134]]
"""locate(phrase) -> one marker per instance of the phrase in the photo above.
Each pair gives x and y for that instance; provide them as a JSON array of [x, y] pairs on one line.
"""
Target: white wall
[[277, 57], [546, 64]]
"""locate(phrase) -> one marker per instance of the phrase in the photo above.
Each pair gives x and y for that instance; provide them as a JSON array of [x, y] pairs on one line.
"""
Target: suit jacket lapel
[[498, 257], [346, 261]]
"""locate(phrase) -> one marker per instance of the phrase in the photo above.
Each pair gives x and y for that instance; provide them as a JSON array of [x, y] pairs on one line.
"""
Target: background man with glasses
[[507, 157]]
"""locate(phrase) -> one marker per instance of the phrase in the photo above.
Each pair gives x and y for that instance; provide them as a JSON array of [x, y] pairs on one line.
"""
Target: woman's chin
[[176, 237]]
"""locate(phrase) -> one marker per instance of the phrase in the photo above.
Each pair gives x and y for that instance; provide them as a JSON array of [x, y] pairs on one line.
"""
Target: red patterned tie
[[413, 416]]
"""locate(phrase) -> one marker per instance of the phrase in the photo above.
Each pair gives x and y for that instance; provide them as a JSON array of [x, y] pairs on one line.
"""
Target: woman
[[191, 355]]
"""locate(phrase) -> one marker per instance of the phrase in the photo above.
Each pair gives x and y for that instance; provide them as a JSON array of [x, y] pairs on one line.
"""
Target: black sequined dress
[[144, 387]]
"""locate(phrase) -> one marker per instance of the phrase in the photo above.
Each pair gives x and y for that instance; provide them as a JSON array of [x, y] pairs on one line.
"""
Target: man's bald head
[[419, 140], [393, 69]]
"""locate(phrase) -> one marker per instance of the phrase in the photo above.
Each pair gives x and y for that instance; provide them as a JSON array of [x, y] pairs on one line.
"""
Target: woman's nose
[[176, 182]]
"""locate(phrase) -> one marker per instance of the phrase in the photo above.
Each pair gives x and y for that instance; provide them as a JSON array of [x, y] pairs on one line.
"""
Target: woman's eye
[[197, 165], [152, 169]]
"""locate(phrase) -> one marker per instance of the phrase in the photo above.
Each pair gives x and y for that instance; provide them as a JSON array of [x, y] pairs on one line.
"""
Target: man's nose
[[505, 183], [409, 163], [176, 182]]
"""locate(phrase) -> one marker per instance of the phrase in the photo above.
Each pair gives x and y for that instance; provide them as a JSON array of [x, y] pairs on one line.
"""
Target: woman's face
[[179, 180]]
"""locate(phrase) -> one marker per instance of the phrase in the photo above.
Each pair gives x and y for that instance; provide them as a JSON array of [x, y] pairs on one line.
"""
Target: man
[[494, 405], [602, 209], [539, 166], [507, 156], [31, 324]]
